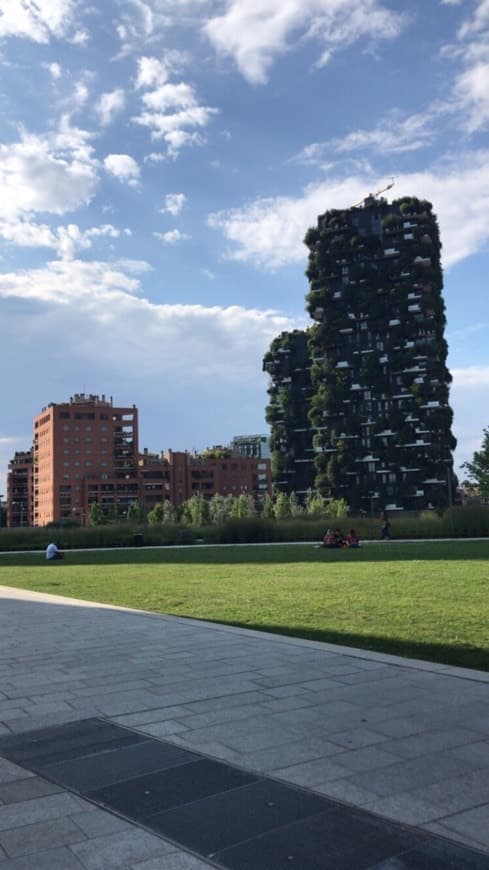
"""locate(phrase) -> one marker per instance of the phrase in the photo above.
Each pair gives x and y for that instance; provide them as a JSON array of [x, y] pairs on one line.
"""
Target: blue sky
[[160, 161]]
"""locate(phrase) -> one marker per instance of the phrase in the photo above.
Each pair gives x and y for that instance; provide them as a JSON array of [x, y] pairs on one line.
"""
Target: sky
[[160, 162]]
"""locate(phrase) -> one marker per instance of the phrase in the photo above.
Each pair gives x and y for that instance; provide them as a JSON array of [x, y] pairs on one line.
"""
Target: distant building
[[85, 451], [359, 401], [257, 446], [20, 489], [176, 476]]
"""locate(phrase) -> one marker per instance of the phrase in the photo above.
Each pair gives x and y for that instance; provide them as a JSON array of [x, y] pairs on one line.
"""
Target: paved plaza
[[325, 726]]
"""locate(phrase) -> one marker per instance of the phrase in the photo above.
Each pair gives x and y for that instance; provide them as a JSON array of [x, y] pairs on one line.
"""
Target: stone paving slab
[[407, 739]]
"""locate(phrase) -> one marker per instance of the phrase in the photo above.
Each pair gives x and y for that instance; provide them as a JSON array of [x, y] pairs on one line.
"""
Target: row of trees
[[199, 511]]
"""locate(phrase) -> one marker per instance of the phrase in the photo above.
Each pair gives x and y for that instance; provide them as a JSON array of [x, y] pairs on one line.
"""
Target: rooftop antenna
[[377, 193]]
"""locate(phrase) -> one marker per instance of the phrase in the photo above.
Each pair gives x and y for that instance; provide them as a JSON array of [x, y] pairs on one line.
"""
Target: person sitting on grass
[[329, 539], [53, 552], [352, 539], [339, 538]]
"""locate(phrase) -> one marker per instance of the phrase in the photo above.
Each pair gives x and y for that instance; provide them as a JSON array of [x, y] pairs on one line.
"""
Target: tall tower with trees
[[375, 412]]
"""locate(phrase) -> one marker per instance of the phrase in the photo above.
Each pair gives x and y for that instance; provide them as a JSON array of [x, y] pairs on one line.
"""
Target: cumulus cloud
[[55, 172], [171, 110], [110, 105], [174, 202], [65, 240], [172, 237], [123, 167], [254, 33], [154, 72], [268, 231], [173, 113], [98, 306], [39, 21], [71, 281]]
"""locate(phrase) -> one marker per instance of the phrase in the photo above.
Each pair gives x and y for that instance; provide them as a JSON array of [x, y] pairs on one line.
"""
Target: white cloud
[[79, 96], [155, 157], [54, 70], [124, 167], [95, 307], [65, 240], [172, 237], [110, 105], [254, 33], [472, 90], [477, 23], [144, 22], [268, 232], [153, 72], [472, 377], [172, 112], [174, 202], [392, 135], [70, 281], [39, 21], [53, 173]]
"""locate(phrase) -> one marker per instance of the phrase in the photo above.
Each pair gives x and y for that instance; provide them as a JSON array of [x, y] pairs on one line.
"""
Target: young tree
[[337, 508], [316, 506], [95, 516], [296, 509], [155, 515], [479, 467], [268, 513], [169, 513], [281, 508], [244, 507], [218, 509], [197, 509], [135, 513]]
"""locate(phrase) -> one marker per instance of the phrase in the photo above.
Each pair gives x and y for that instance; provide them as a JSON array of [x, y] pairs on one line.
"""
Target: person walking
[[385, 527]]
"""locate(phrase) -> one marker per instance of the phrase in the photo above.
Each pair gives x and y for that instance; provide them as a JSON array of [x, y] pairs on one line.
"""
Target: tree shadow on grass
[[463, 655]]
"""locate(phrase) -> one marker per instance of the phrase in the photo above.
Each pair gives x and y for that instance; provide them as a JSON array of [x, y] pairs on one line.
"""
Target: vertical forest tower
[[358, 402]]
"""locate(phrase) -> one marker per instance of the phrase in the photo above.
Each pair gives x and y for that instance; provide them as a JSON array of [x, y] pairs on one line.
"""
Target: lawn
[[423, 600]]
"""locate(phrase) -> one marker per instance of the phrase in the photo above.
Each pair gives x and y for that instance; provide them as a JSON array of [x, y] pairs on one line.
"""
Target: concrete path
[[404, 739]]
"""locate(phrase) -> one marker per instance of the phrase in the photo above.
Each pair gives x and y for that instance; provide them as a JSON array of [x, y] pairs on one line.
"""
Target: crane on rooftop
[[377, 193]]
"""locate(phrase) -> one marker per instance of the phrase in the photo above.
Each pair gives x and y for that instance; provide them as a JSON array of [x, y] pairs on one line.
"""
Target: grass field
[[422, 600]]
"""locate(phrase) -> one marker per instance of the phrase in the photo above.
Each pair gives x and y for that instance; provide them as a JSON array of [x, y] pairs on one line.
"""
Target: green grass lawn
[[423, 600]]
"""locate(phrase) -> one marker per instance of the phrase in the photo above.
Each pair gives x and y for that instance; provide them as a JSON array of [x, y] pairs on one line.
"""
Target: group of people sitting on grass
[[335, 538]]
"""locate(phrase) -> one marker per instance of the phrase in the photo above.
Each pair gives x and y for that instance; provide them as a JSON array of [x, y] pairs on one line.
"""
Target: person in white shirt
[[52, 552]]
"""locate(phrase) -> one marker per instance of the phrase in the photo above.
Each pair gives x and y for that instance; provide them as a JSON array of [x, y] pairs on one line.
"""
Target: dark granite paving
[[228, 816]]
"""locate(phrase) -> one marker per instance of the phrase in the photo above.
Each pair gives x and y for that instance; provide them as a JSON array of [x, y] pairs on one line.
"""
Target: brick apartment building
[[176, 477], [19, 489], [86, 451]]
